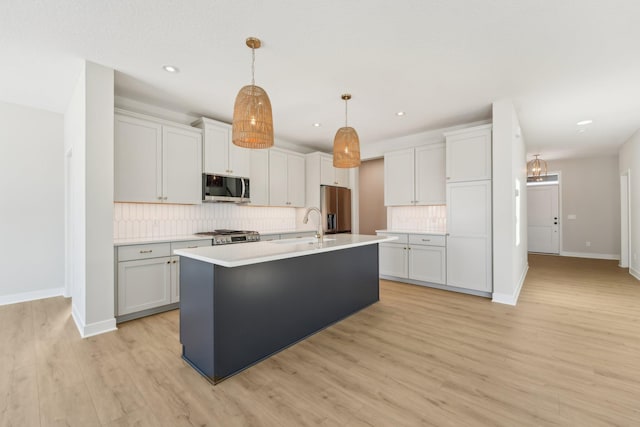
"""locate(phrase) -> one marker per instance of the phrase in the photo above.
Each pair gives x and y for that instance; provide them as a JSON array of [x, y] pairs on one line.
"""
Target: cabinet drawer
[[402, 238], [269, 237], [427, 239], [190, 244], [154, 250]]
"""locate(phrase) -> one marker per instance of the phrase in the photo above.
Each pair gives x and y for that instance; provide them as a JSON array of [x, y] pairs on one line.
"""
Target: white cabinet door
[[393, 259], [469, 241], [430, 179], [278, 183], [427, 263], [295, 180], [216, 148], [182, 160], [175, 279], [239, 160], [468, 155], [138, 160], [259, 178], [399, 178], [342, 177], [220, 155], [327, 171], [143, 284]]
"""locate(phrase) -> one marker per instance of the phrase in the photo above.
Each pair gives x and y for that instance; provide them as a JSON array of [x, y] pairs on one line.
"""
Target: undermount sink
[[299, 240]]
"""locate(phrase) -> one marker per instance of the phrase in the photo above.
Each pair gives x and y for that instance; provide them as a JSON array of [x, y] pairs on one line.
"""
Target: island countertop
[[240, 254]]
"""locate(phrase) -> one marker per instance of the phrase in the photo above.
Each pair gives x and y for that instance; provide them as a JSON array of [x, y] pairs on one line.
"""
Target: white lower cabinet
[[148, 277], [143, 284], [420, 257]]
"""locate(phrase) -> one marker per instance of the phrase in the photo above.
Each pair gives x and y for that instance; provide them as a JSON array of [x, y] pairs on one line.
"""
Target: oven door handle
[[244, 188]]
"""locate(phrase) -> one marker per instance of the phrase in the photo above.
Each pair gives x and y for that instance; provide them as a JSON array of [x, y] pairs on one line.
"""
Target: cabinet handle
[[173, 261], [168, 262], [159, 197], [165, 198], [448, 177], [191, 247], [148, 251], [426, 240]]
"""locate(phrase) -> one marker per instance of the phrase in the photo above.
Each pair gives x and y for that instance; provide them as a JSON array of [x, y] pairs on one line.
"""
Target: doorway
[[543, 216]]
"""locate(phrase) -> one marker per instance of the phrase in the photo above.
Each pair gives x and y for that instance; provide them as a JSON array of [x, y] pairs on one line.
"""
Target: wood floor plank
[[566, 355]]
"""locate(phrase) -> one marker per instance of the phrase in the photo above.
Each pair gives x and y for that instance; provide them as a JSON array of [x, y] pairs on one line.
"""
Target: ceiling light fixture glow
[[170, 69], [400, 113], [317, 125], [584, 122]]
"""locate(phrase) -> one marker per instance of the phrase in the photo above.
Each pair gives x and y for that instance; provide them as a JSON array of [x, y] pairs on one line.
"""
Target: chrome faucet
[[305, 220]]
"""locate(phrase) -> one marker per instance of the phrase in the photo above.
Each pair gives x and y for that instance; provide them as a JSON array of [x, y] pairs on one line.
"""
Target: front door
[[543, 219]]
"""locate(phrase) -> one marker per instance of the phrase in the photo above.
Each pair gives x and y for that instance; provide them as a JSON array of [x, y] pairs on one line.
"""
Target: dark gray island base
[[233, 317]]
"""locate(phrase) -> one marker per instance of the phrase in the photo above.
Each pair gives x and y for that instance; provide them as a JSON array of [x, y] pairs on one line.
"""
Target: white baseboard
[[92, 329], [591, 255], [31, 296], [511, 299], [635, 273]]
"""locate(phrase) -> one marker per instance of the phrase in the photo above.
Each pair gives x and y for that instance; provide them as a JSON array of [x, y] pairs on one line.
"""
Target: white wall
[[510, 263], [629, 160], [590, 190], [32, 210], [89, 137]]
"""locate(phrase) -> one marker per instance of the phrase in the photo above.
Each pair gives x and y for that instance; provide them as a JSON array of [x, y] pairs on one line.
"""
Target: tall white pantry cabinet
[[468, 177]]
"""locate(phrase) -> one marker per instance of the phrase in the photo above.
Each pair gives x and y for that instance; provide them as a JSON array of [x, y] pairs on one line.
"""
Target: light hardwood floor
[[568, 354]]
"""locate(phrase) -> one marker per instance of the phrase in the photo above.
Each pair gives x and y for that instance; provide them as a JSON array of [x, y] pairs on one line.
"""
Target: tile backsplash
[[417, 218], [141, 220]]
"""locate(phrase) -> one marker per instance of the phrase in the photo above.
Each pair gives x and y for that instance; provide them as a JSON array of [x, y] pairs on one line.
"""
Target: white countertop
[[257, 252], [164, 239], [433, 233]]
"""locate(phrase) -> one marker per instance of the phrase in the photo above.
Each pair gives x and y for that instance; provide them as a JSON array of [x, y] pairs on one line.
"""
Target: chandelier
[[537, 167]]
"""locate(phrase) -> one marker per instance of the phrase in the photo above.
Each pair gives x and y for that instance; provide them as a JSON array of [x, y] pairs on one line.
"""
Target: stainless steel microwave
[[221, 188]]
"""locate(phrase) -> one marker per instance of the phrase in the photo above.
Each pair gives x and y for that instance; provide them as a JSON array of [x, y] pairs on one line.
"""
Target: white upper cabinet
[[431, 188], [469, 154], [138, 160], [286, 178], [156, 162], [330, 175], [182, 154], [399, 186], [320, 171], [415, 176], [220, 156], [259, 178]]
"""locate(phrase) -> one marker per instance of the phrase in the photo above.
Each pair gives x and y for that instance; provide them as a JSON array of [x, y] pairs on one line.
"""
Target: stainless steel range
[[225, 237]]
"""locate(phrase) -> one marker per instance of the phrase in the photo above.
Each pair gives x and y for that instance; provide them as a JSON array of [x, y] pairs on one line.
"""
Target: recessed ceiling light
[[317, 125], [170, 69], [584, 122], [581, 130], [400, 113]]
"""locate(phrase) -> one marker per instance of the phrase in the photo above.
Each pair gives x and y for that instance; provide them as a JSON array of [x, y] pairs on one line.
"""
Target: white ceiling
[[443, 62]]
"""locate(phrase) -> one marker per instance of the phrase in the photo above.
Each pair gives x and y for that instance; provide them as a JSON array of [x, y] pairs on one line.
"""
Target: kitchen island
[[241, 303]]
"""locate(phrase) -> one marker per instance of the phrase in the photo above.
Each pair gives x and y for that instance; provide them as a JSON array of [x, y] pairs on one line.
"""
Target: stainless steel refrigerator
[[335, 204]]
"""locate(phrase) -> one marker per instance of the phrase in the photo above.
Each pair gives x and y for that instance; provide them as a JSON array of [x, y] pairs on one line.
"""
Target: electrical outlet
[[588, 244]]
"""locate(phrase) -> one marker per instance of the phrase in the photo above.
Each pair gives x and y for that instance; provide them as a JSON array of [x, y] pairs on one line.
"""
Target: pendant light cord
[[253, 66], [345, 112]]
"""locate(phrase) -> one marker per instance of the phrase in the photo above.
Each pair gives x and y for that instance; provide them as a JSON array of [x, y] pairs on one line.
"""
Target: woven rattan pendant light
[[346, 144], [537, 167], [252, 119]]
